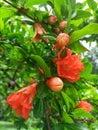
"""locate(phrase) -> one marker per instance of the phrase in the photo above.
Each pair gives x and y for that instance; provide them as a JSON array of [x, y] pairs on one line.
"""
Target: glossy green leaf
[[30, 3], [59, 127], [6, 12], [92, 4], [76, 22], [87, 30], [1, 24], [77, 47], [72, 92], [66, 118], [42, 64], [76, 126], [68, 101], [87, 69], [83, 14], [80, 113], [57, 8]]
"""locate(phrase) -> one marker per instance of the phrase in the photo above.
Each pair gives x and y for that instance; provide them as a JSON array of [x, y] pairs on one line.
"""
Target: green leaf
[[80, 113], [42, 64], [89, 29], [76, 126], [49, 36], [92, 4], [1, 24], [29, 3], [87, 68], [66, 118], [73, 4], [4, 125], [42, 90], [38, 108], [78, 47], [6, 12], [57, 8], [72, 92], [83, 14], [59, 127], [76, 22], [68, 101]]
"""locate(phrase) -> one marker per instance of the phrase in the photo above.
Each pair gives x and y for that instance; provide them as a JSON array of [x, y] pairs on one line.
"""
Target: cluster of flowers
[[69, 67]]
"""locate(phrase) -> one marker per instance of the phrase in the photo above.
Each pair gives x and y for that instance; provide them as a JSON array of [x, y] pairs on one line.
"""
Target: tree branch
[[47, 114], [91, 120], [21, 10], [12, 81]]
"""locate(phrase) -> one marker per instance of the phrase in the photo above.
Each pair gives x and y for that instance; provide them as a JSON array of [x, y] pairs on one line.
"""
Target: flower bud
[[62, 39], [56, 30], [55, 84], [52, 19], [62, 25]]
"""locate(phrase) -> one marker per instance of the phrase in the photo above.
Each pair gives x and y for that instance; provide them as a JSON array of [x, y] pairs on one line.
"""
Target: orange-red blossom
[[85, 105], [21, 101], [69, 66]]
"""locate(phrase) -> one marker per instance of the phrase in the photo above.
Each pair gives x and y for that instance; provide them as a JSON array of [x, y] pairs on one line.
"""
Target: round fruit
[[52, 19], [62, 25], [55, 84], [62, 39]]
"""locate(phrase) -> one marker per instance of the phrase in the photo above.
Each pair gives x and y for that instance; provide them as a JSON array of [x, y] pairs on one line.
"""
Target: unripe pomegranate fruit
[[62, 25], [55, 84], [52, 19], [62, 39]]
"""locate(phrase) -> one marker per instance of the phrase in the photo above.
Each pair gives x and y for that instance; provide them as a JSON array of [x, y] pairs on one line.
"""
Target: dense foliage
[[41, 43]]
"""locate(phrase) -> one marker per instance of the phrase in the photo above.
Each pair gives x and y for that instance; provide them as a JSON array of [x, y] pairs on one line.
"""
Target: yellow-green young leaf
[[83, 14], [87, 30], [92, 4], [6, 12], [29, 3], [87, 68], [1, 24]]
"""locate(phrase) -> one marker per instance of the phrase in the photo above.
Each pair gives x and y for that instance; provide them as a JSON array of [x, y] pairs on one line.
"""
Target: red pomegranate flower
[[21, 101], [39, 30], [85, 105], [69, 66]]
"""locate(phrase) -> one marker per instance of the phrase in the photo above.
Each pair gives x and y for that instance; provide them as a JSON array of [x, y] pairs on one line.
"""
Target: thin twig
[[11, 79], [84, 119], [47, 114]]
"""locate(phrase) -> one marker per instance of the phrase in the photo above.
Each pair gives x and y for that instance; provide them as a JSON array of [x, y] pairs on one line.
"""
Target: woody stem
[[47, 114]]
